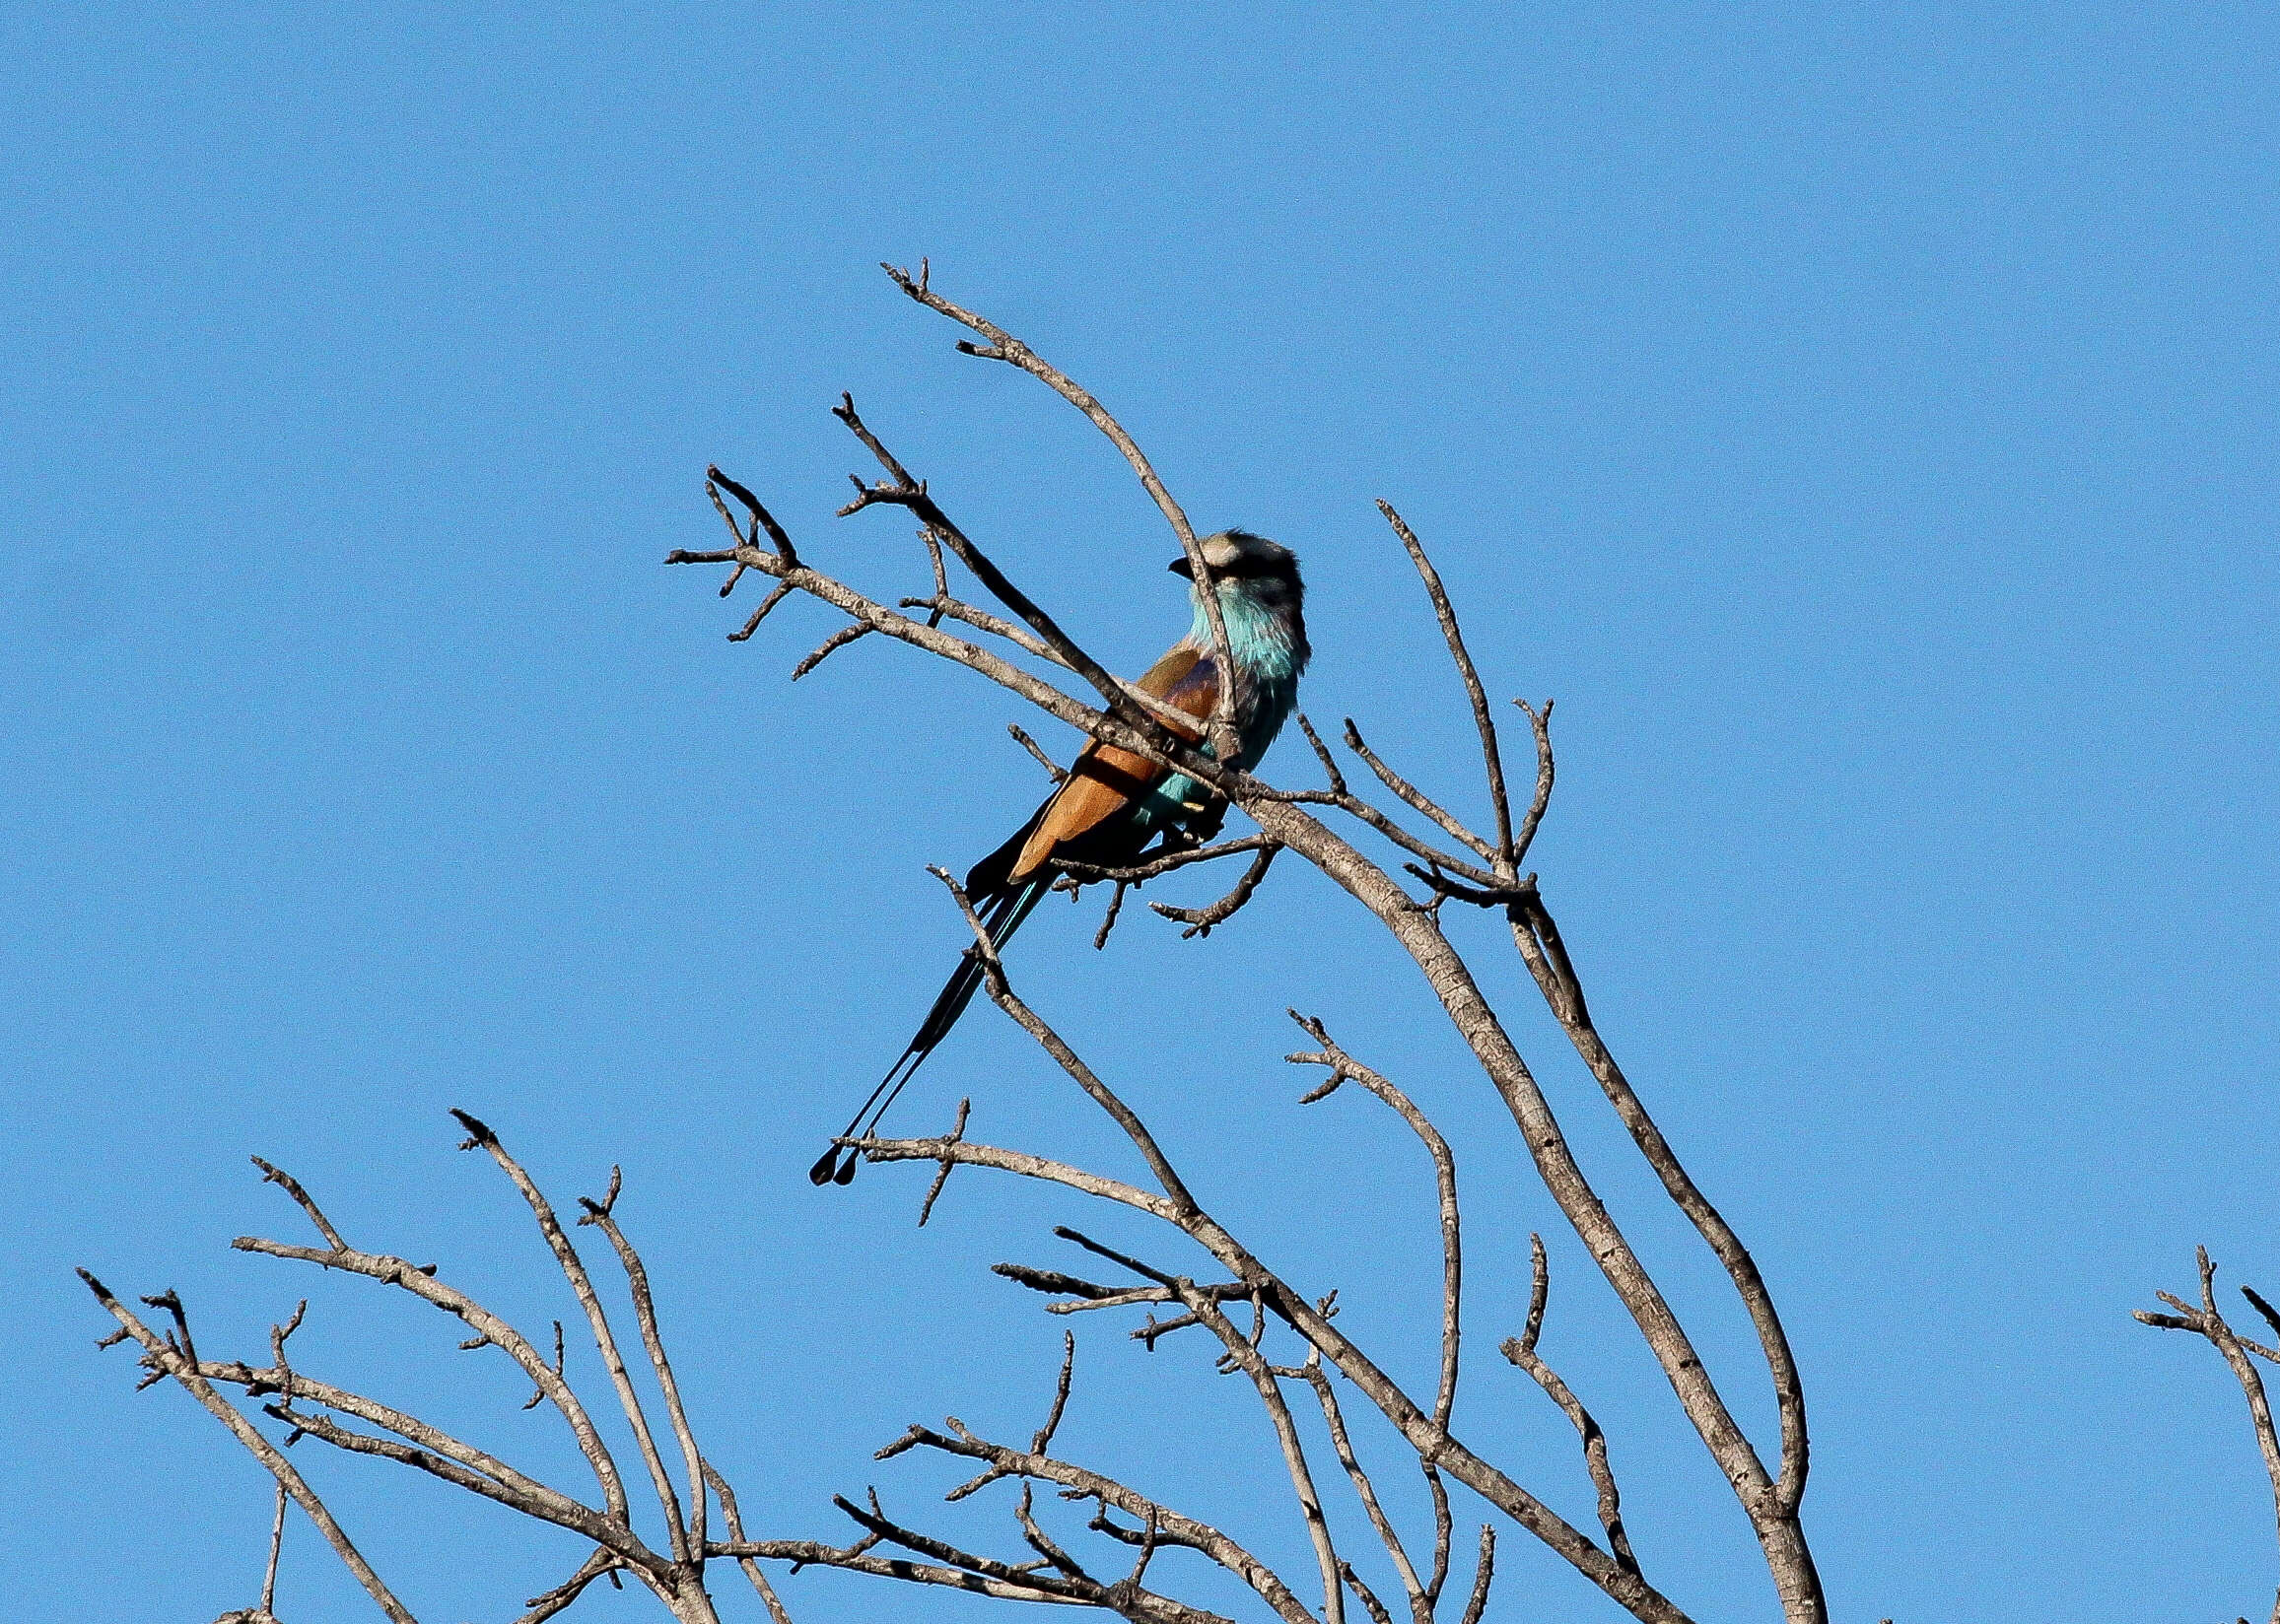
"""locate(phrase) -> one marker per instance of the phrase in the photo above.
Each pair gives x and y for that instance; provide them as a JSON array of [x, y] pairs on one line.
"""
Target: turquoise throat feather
[[1267, 642]]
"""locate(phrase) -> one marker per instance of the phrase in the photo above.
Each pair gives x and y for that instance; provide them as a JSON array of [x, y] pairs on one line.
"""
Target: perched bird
[[1114, 803]]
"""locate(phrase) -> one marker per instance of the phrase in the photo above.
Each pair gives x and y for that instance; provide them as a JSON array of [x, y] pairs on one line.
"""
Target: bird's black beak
[[1181, 567]]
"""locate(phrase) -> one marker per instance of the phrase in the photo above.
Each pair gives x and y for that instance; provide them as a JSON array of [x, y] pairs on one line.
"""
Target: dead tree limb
[[1452, 861], [1769, 1498], [2205, 1320]]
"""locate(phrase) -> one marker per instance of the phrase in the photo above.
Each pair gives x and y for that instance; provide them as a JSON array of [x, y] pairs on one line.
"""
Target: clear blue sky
[[1861, 423]]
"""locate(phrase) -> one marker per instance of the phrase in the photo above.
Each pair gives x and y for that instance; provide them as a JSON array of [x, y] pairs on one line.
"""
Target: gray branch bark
[[1481, 869]]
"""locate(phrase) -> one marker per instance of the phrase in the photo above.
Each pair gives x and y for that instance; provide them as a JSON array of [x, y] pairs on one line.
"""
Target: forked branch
[[1521, 1351], [2204, 1319], [1452, 861]]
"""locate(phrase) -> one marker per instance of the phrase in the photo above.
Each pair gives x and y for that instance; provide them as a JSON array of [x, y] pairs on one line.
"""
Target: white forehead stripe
[[1224, 549]]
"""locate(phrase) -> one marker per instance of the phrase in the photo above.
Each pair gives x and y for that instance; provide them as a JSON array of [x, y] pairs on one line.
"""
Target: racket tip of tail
[[835, 1165]]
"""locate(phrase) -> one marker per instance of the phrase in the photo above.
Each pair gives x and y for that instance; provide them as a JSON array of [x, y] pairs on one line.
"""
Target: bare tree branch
[[1521, 1350], [1200, 921], [981, 1581], [752, 1568], [1343, 1066], [558, 1599], [942, 1177], [831, 645], [165, 1360], [1478, 870], [2207, 1321], [599, 1214], [479, 1136], [1430, 1438], [1133, 1603], [488, 1327], [902, 490], [1416, 799], [1545, 955], [1540, 721], [1004, 346], [523, 1493], [1001, 993], [1363, 1594], [1168, 862], [1058, 774], [1090, 1485], [292, 1187], [1484, 1575], [1142, 725], [1420, 1604], [776, 595], [1043, 1437], [276, 1549], [1245, 1354], [1484, 719]]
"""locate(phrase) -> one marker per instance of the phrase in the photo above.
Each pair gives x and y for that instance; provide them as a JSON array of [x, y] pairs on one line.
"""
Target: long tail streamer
[[1000, 919]]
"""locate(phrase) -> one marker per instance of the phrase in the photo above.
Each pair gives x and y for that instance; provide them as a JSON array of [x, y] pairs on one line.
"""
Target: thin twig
[[603, 1215], [276, 1548], [1521, 1350], [752, 1569], [526, 1493], [1135, 721], [943, 1175], [831, 645], [480, 1136], [903, 491], [1537, 937], [1484, 1575], [1244, 1353], [1540, 722], [167, 1360], [1084, 1484], [1200, 920], [1166, 863], [545, 1606], [1431, 1439], [1060, 774], [1366, 1490], [1322, 754], [487, 1327], [1367, 1597], [1109, 916], [1343, 1066], [301, 1198], [1004, 346], [1043, 1437], [941, 605], [1001, 993], [1415, 798], [762, 518], [781, 592], [1484, 719]]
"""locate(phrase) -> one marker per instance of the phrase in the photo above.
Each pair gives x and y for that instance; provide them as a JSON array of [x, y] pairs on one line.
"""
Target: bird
[[1114, 801]]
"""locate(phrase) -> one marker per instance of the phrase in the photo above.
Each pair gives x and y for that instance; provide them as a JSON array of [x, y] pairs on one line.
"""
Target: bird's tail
[[1001, 916]]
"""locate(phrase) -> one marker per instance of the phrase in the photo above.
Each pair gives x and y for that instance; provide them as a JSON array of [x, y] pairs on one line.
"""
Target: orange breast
[[1106, 779]]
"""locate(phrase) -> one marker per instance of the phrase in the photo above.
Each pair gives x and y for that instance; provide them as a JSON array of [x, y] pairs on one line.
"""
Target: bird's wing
[[1107, 779]]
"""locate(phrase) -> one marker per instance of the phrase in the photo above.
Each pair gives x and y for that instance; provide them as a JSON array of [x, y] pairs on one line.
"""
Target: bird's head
[[1238, 555], [1261, 598]]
